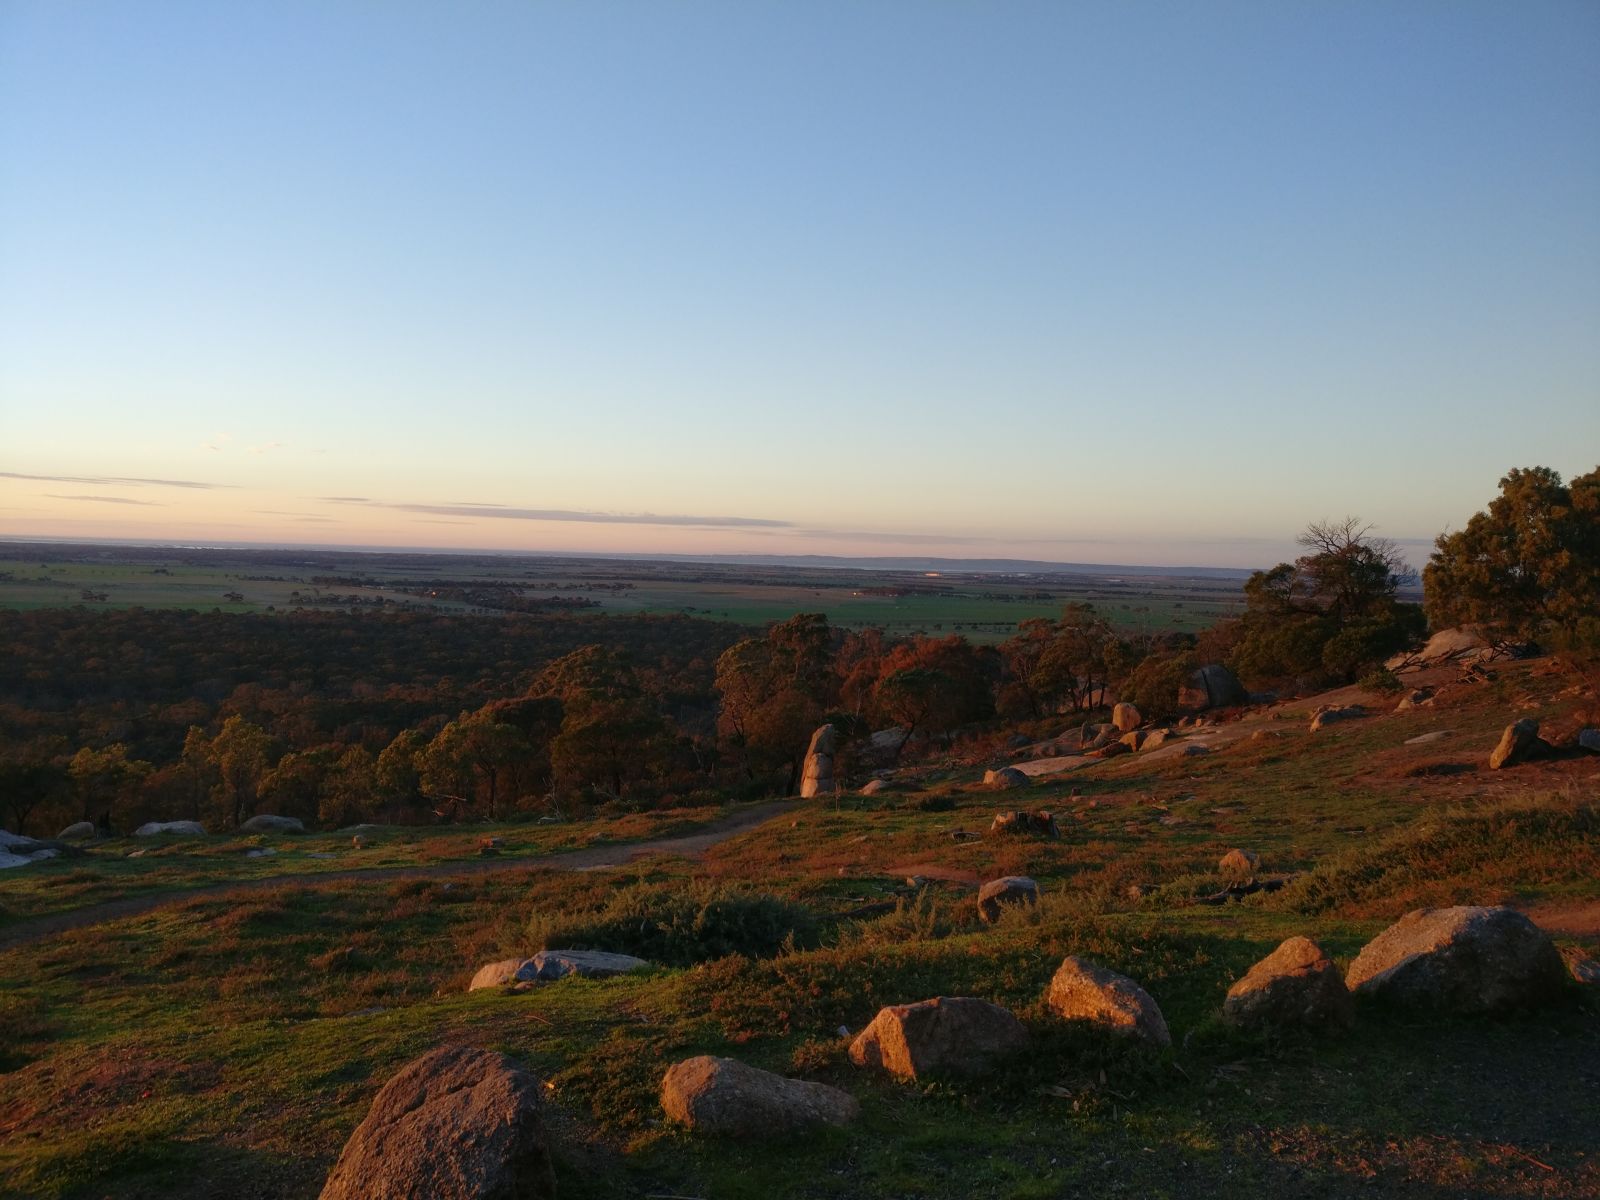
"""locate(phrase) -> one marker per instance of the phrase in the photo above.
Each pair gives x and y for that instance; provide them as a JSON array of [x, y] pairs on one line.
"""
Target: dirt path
[[590, 859]]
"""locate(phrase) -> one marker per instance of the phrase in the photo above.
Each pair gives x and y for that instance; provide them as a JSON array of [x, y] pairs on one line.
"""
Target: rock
[[260, 852], [723, 1095], [1212, 686], [1195, 750], [496, 974], [1041, 823], [1134, 739], [587, 964], [1415, 698], [1125, 717], [1584, 971], [1155, 739], [1009, 889], [1518, 743], [817, 777], [1084, 991], [267, 823], [1266, 735], [359, 842], [1463, 960], [1004, 779], [175, 828], [888, 740], [1017, 741], [548, 965], [82, 831], [16, 843], [456, 1124], [948, 1035], [1460, 643], [1113, 750], [1334, 713], [1297, 984], [1427, 739], [8, 860], [873, 787], [1240, 863], [1589, 739]]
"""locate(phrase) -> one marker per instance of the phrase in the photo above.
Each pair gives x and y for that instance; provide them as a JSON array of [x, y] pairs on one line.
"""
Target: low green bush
[[679, 927]]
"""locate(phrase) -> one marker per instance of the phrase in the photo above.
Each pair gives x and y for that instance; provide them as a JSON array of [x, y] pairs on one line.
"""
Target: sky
[[1137, 282]]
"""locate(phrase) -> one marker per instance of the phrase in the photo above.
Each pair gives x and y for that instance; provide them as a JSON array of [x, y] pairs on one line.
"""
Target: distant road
[[592, 858]]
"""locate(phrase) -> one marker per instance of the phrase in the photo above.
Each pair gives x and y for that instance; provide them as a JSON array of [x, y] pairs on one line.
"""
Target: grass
[[228, 1044], [105, 873]]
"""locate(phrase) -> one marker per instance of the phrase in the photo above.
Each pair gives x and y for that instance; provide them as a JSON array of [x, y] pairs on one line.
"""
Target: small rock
[[874, 786], [1195, 750], [1004, 779], [175, 828], [358, 842], [723, 1095], [1041, 823], [82, 831], [1297, 984], [948, 1035], [998, 893], [1463, 959], [1084, 991], [1324, 717], [1588, 739], [1415, 698], [1427, 739], [260, 852]]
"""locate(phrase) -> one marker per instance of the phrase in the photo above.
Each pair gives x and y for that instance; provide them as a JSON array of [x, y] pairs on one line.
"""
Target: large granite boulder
[[948, 1035], [549, 965], [80, 831], [267, 823], [1008, 889], [1519, 743], [1296, 985], [1084, 991], [1125, 717], [723, 1095], [1212, 686], [174, 828], [816, 779], [456, 1124], [1465, 959]]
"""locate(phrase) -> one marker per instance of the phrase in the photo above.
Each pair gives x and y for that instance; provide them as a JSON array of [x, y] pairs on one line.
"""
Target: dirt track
[[589, 859]]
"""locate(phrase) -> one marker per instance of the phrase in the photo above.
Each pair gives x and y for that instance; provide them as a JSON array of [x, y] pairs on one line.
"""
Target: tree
[[1330, 614], [775, 691], [103, 778], [1528, 566]]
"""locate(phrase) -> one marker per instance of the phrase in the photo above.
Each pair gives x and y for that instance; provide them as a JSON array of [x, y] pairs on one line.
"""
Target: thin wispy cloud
[[588, 518], [343, 499], [108, 500], [113, 480]]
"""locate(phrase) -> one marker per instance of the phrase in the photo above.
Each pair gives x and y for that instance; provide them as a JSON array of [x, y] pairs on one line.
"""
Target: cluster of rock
[[172, 828], [548, 965], [464, 1122], [18, 851]]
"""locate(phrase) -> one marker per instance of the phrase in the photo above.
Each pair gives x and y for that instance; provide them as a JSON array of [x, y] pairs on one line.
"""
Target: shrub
[[1382, 680], [680, 927]]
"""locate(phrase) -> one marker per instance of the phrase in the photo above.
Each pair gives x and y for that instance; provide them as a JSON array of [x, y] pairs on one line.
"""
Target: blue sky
[[1152, 283]]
